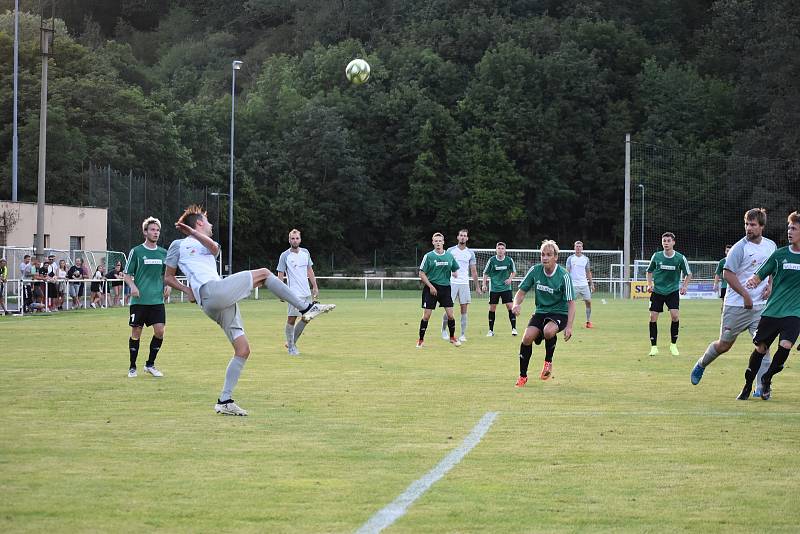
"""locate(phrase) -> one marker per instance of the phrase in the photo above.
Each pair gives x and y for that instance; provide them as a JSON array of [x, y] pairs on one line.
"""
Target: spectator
[[26, 275], [52, 283], [61, 276], [39, 274], [76, 273], [3, 278], [115, 283], [98, 286]]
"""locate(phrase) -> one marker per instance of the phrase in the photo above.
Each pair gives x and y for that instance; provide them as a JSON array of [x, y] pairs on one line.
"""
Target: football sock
[[299, 326], [673, 331], [155, 345], [289, 333], [752, 366], [653, 333], [765, 363], [709, 356], [492, 316], [525, 352], [444, 322], [423, 325], [232, 374], [451, 327], [464, 324], [588, 314], [282, 291], [549, 348], [777, 364], [133, 345], [512, 318]]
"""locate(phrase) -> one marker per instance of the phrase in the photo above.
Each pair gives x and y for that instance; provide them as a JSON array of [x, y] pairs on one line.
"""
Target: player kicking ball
[[218, 297], [554, 310]]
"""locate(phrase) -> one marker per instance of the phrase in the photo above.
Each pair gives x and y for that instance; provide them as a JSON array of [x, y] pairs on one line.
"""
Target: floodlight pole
[[14, 138], [46, 40], [641, 251], [626, 254], [236, 65]]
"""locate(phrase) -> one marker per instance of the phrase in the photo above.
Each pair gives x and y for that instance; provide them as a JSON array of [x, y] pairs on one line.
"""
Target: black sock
[[423, 325], [451, 326], [776, 366], [549, 348], [673, 331], [513, 319], [492, 315], [133, 345], [155, 344], [653, 333], [525, 352], [752, 367]]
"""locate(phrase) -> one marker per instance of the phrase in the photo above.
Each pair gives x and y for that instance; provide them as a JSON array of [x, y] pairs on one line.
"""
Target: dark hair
[[26, 256], [756, 214], [464, 230], [668, 234]]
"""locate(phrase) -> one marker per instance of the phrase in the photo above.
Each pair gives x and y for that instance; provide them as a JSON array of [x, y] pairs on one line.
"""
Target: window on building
[[76, 242], [46, 240]]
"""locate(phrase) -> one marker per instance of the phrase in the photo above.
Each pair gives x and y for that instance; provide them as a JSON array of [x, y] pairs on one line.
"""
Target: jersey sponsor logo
[[546, 289], [666, 267], [791, 266], [442, 263], [153, 261], [500, 267]]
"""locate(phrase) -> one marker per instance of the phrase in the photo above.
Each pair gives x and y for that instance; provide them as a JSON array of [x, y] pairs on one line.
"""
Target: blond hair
[[148, 221], [439, 234], [294, 231], [549, 243]]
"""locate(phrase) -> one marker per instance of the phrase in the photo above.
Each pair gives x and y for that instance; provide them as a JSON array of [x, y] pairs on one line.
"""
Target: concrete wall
[[60, 222]]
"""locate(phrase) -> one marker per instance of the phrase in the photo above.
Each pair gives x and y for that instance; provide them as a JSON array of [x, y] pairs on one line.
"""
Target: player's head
[[294, 238], [151, 228], [463, 236], [195, 217], [667, 240], [578, 247], [438, 241], [793, 228], [500, 249], [549, 251], [754, 222]]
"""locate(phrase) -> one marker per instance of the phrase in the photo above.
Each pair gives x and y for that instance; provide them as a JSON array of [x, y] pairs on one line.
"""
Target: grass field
[[617, 441]]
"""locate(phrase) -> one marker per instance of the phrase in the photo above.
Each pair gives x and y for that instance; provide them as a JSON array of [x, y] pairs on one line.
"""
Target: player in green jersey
[[663, 283], [720, 284], [500, 270], [434, 271], [144, 274], [555, 309], [781, 317]]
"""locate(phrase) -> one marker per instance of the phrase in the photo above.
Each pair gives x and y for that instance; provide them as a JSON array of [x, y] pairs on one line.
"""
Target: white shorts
[[460, 292], [737, 319], [219, 301], [582, 292], [294, 312]]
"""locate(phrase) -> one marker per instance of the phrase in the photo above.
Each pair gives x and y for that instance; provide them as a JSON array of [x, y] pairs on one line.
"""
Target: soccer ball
[[357, 71]]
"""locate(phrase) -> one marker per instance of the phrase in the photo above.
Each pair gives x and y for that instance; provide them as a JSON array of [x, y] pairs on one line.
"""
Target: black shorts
[[496, 296], [52, 290], [722, 292], [770, 327], [538, 320], [443, 296], [673, 301], [147, 315]]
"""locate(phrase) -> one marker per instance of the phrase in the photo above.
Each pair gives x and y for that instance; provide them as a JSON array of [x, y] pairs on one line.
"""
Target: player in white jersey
[[742, 307], [581, 273], [218, 297], [295, 266], [459, 281]]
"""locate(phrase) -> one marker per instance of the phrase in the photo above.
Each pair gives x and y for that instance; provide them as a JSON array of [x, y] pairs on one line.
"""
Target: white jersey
[[577, 267], [195, 261], [465, 258], [743, 260], [296, 265]]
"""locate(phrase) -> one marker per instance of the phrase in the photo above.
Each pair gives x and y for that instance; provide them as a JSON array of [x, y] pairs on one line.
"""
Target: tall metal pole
[[46, 37], [236, 65], [14, 139], [641, 251], [626, 254]]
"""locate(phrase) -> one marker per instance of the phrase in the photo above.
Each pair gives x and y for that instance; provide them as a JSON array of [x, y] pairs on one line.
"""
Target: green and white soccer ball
[[357, 71]]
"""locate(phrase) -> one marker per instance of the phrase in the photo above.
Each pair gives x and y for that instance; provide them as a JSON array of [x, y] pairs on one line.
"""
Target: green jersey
[[437, 267], [498, 272], [667, 271], [552, 292], [784, 266], [147, 266], [719, 272]]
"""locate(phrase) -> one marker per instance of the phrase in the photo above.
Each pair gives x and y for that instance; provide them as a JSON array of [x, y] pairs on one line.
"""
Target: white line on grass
[[598, 413], [397, 508]]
